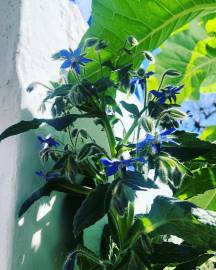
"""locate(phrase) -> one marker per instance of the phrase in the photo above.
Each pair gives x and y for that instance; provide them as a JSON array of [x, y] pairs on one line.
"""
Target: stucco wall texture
[[30, 32]]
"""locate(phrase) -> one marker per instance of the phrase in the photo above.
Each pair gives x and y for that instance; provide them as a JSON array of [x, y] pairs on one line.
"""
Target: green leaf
[[194, 263], [191, 147], [193, 57], [202, 180], [59, 124], [172, 73], [137, 181], [148, 124], [60, 91], [131, 108], [89, 149], [183, 219], [175, 113], [207, 200], [167, 253], [87, 257], [56, 184], [209, 134], [151, 22], [91, 210]]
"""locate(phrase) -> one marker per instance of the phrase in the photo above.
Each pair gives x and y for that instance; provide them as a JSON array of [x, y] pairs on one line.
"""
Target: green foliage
[[209, 134], [59, 124], [151, 22], [207, 200], [122, 34], [203, 179], [169, 216], [90, 211], [193, 52], [58, 184]]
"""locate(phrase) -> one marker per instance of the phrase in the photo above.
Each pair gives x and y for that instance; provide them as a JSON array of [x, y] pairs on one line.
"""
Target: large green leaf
[[191, 147], [207, 200], [209, 134], [168, 252], [190, 52], [56, 184], [202, 180], [150, 21], [183, 219], [59, 124], [91, 210]]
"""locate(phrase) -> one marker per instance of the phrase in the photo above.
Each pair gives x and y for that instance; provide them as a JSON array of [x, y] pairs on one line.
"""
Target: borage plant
[[150, 151]]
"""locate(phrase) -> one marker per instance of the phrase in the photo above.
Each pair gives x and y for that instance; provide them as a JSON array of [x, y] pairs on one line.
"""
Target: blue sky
[[85, 7]]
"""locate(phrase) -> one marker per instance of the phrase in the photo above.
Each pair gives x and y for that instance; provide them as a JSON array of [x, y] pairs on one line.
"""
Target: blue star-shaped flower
[[156, 140], [73, 59], [50, 141], [169, 93], [137, 82], [112, 166]]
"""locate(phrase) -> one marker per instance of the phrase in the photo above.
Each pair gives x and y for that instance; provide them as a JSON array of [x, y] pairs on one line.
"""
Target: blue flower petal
[[52, 142], [65, 54], [52, 175], [66, 64], [89, 22], [40, 173], [140, 159], [167, 132], [156, 93], [41, 140], [179, 88], [77, 68], [126, 162], [133, 81], [148, 139], [111, 170], [77, 52], [174, 98], [106, 162], [85, 60], [162, 100], [149, 74]]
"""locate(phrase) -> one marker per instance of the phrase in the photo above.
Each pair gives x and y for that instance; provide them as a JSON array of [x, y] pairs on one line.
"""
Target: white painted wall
[[30, 32]]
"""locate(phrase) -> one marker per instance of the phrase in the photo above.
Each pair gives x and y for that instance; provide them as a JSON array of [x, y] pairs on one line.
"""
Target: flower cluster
[[113, 166], [72, 59], [168, 92], [156, 140], [138, 81], [50, 141]]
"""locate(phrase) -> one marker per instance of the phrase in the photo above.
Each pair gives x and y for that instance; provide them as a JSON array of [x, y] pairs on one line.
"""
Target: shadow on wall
[[43, 236]]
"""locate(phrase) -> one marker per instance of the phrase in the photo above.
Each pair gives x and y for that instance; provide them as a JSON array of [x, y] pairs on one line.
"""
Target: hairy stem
[[110, 136], [133, 126]]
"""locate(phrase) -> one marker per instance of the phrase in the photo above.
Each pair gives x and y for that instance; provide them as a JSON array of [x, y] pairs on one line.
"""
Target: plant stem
[[99, 57], [145, 92], [133, 126], [76, 76], [110, 136], [161, 82]]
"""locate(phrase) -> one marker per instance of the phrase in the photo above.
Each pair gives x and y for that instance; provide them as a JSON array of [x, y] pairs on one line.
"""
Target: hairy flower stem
[[145, 92], [133, 126], [161, 82], [110, 136]]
